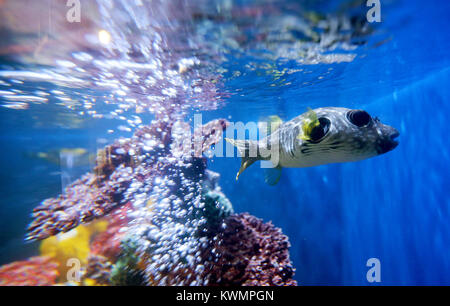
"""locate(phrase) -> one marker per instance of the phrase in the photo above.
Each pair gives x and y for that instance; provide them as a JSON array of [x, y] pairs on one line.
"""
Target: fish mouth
[[388, 143], [393, 141]]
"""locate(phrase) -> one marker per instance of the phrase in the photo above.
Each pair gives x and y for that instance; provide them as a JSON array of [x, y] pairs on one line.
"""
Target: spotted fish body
[[331, 135]]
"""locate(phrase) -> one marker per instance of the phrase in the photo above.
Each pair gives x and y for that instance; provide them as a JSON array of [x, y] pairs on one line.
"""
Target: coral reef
[[252, 253], [86, 199], [96, 195], [35, 271], [168, 221]]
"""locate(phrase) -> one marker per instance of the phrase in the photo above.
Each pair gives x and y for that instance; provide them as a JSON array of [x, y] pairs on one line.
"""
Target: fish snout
[[387, 142]]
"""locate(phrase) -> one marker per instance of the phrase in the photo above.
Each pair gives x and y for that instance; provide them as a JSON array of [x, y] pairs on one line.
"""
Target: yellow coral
[[73, 244], [97, 227], [91, 282]]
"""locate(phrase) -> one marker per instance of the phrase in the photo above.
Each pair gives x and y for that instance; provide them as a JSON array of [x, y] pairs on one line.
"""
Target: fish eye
[[319, 131], [358, 117]]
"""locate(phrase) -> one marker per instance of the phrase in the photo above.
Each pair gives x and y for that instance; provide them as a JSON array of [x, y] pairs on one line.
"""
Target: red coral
[[35, 271], [251, 253], [107, 244]]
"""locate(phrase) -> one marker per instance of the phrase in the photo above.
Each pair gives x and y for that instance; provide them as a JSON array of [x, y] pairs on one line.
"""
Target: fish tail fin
[[248, 149]]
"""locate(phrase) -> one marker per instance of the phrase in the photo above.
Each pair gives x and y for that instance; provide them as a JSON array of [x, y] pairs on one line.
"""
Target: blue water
[[394, 207]]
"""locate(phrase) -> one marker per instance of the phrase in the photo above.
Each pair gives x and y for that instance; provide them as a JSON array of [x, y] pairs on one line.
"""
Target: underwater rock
[[35, 271], [251, 253]]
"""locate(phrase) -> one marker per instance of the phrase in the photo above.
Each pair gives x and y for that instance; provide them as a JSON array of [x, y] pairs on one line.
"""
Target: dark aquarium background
[[394, 207]]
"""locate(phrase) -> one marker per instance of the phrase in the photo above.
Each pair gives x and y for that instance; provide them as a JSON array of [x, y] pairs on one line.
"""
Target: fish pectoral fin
[[245, 163], [245, 148], [272, 175]]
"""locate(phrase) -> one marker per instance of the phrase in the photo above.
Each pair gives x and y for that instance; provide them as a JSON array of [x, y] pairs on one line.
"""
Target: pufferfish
[[320, 136]]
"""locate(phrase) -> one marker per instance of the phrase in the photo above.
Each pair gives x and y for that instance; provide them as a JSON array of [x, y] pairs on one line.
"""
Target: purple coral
[[88, 198], [251, 253]]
